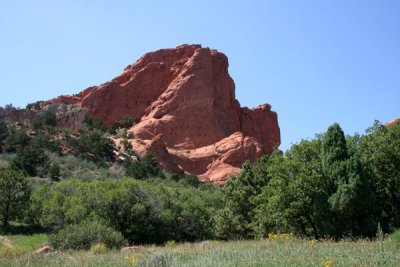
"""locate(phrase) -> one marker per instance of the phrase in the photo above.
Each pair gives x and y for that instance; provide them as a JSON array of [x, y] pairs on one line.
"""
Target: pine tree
[[350, 193]]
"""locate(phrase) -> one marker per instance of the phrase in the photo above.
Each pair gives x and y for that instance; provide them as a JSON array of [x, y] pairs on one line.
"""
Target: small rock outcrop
[[183, 101], [43, 250], [391, 122]]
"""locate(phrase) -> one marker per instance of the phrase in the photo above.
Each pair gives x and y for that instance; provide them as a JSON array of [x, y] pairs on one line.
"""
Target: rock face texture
[[183, 101], [68, 115]]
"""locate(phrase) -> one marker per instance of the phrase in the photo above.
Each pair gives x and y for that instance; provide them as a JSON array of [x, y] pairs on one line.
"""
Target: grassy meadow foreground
[[275, 252]]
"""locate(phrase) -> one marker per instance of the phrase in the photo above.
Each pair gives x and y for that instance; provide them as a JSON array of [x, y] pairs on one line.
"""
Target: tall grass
[[290, 252]]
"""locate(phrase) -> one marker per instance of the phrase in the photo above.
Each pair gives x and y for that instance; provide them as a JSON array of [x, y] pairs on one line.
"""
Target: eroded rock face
[[68, 115], [16, 114], [184, 102]]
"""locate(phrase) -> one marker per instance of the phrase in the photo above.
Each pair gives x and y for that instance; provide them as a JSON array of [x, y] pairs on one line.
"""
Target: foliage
[[294, 199], [14, 194], [93, 145], [151, 211], [95, 123], [54, 171], [237, 218], [99, 248], [395, 237], [72, 167], [17, 139], [48, 118], [143, 168], [44, 141], [319, 188], [3, 133], [191, 180], [29, 159], [85, 235], [380, 157], [126, 122], [33, 106], [351, 199]]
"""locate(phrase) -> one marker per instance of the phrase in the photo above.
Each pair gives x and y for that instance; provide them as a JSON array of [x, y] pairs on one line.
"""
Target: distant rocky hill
[[183, 102]]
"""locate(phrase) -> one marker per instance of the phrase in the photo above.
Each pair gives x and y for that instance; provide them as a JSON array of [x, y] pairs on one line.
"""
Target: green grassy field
[[283, 252]]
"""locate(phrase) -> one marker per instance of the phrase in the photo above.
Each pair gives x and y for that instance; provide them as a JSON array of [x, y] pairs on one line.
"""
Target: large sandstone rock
[[184, 102]]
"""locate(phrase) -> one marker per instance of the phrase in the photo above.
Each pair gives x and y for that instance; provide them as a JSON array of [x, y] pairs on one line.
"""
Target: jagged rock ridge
[[184, 102]]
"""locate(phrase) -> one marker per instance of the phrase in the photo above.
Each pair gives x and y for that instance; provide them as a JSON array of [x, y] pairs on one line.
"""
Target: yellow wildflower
[[131, 260], [312, 242], [328, 262]]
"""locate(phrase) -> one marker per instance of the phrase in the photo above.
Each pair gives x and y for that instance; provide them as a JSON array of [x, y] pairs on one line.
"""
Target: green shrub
[[30, 159], [96, 147], [85, 235], [144, 168], [395, 237], [99, 248], [54, 171], [143, 211], [49, 118], [95, 123], [16, 140]]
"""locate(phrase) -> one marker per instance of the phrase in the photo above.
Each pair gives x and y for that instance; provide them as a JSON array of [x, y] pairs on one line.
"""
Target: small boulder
[[43, 250]]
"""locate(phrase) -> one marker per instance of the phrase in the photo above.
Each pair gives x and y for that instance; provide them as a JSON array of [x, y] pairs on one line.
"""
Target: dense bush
[[126, 122], [86, 234], [143, 168], [94, 146], [95, 123], [32, 160], [318, 188], [237, 218], [151, 211], [17, 139], [379, 152], [46, 119]]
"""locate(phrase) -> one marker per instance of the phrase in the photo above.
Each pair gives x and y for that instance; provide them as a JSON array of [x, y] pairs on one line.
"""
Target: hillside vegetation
[[82, 190]]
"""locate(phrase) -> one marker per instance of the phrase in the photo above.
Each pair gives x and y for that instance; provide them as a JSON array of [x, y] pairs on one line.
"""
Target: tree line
[[330, 186]]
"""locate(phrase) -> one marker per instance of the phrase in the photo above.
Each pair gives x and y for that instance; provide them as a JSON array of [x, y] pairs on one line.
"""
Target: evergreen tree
[[347, 186], [14, 194]]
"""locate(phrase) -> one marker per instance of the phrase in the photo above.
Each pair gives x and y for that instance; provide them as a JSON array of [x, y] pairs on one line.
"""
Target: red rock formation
[[184, 102], [391, 122]]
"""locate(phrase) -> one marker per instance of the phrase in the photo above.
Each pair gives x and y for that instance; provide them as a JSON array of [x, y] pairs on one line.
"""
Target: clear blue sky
[[316, 62]]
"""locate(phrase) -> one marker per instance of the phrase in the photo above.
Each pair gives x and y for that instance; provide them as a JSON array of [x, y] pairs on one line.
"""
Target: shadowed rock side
[[184, 102]]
